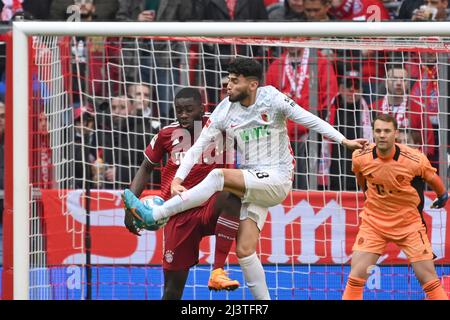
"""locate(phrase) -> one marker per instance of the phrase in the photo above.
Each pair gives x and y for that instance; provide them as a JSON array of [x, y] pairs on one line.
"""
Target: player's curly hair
[[247, 67]]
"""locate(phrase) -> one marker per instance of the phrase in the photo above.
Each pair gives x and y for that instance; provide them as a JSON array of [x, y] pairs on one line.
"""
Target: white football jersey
[[258, 131]]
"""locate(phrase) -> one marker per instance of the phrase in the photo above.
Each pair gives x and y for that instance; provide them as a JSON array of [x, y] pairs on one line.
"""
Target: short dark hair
[[386, 118], [187, 93], [394, 65], [247, 67]]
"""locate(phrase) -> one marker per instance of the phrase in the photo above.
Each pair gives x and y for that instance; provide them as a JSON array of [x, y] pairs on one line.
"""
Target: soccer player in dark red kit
[[183, 232]]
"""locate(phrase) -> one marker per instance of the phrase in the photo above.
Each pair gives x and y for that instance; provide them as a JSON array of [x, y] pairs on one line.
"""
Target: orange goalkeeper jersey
[[394, 187]]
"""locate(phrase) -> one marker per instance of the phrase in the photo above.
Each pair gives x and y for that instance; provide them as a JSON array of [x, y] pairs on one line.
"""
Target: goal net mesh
[[97, 102]]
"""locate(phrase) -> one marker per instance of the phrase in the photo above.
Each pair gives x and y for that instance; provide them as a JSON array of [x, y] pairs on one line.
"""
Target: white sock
[[255, 277], [192, 198]]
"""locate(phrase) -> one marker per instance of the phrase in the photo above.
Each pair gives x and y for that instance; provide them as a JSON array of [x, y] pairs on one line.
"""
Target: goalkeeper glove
[[440, 201]]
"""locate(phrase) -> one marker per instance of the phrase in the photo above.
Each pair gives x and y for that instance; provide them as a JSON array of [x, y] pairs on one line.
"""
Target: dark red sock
[[226, 230]]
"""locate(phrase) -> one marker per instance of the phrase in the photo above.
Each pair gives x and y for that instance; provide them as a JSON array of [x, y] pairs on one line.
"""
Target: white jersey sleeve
[[210, 132], [301, 116]]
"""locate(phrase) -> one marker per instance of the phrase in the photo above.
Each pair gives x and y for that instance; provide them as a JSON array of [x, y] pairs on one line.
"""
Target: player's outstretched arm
[[441, 193], [355, 143], [137, 186], [208, 135], [142, 177], [301, 116]]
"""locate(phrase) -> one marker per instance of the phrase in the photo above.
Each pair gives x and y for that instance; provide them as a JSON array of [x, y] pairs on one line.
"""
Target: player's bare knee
[[245, 250]]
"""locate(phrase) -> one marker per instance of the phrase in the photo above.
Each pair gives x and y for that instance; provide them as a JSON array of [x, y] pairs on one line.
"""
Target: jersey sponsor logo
[[255, 133], [168, 256]]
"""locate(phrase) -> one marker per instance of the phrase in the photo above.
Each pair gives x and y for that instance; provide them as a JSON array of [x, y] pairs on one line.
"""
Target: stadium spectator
[[183, 233], [291, 74], [317, 10], [263, 177], [405, 137], [359, 10], [393, 177], [226, 10], [141, 96], [40, 10], [143, 123], [269, 3], [290, 10], [93, 58], [98, 10], [370, 62], [393, 7], [85, 148], [29, 9], [160, 62], [42, 173], [162, 10], [114, 138], [426, 92], [9, 8], [119, 111], [405, 12], [405, 108], [434, 10], [353, 119]]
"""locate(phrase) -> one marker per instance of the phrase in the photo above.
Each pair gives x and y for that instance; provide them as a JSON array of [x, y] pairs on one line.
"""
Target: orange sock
[[354, 289], [434, 290]]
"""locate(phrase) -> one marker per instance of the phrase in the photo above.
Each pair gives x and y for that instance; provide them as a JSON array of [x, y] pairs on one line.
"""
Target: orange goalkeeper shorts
[[415, 244]]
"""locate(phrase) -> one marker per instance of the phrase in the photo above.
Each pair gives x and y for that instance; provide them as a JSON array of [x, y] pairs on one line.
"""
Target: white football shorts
[[264, 189]]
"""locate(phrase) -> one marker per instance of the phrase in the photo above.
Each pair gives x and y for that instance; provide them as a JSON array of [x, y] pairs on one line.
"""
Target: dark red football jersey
[[174, 141]]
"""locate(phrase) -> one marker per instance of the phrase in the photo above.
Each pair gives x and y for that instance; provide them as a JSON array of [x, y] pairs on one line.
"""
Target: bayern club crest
[[168, 256]]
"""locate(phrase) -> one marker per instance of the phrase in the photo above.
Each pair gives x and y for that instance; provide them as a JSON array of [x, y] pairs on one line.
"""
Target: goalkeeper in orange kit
[[393, 178]]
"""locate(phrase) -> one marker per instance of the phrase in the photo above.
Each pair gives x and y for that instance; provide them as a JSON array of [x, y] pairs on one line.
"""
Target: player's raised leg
[[428, 279], [226, 219], [361, 261], [231, 180]]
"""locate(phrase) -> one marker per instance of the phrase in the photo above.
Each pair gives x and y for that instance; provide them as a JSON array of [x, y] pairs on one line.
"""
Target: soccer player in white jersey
[[255, 117]]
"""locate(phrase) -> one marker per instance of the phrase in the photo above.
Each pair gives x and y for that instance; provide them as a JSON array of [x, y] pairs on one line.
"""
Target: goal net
[[96, 102]]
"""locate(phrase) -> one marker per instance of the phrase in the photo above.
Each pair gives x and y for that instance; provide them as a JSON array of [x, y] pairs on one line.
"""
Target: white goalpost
[[308, 238]]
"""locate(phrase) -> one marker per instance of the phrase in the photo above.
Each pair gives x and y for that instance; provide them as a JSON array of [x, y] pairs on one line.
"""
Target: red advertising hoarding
[[310, 227]]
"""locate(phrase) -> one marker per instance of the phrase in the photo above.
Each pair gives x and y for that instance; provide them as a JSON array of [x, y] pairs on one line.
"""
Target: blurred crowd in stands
[[120, 117]]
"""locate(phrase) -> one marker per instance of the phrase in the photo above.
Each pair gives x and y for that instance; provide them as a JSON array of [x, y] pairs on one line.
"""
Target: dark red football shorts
[[183, 233]]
